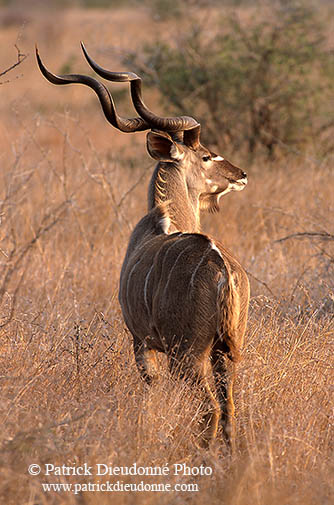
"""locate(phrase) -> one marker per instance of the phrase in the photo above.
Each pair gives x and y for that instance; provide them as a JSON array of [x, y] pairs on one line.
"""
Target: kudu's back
[[179, 291]]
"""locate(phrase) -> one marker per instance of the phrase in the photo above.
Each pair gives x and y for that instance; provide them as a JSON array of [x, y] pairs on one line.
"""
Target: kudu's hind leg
[[146, 360], [224, 372], [194, 369]]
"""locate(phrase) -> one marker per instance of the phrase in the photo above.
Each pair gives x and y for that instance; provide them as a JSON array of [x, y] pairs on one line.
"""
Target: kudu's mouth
[[237, 185]]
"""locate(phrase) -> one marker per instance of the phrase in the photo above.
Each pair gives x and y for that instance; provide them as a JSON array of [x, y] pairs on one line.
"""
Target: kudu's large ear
[[162, 147], [191, 137]]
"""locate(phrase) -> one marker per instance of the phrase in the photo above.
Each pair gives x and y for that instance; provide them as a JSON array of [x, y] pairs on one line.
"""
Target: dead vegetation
[[71, 191]]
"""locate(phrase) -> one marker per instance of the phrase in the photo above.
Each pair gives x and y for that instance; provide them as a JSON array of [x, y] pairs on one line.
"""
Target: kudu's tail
[[230, 310]]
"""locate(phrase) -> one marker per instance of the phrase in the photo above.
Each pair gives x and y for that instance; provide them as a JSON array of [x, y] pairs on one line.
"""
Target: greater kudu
[[181, 292]]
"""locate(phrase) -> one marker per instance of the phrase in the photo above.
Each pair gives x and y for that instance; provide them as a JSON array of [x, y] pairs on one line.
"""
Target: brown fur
[[180, 292]]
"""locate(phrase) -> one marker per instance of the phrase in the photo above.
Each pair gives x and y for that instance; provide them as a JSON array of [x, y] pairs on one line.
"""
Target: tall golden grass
[[72, 188]]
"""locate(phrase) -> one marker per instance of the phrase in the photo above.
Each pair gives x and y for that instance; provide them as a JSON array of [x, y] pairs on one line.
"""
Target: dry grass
[[70, 390]]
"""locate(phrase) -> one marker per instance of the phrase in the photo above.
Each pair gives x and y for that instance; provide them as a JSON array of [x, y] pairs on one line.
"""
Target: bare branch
[[132, 188], [16, 257], [20, 58], [261, 282], [307, 234]]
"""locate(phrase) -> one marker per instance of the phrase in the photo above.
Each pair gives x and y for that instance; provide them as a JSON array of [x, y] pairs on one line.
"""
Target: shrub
[[256, 88]]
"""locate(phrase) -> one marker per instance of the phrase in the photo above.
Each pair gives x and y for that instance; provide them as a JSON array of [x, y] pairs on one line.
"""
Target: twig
[[261, 282], [20, 58], [129, 191], [16, 257], [9, 318], [297, 283], [307, 234]]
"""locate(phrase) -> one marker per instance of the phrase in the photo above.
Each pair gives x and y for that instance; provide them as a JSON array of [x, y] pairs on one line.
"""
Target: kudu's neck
[[168, 184]]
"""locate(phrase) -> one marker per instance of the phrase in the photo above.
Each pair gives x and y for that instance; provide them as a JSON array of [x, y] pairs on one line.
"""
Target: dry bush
[[259, 85], [71, 191]]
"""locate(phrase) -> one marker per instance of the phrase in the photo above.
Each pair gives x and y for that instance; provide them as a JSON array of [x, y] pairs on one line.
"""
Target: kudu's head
[[207, 175], [171, 140]]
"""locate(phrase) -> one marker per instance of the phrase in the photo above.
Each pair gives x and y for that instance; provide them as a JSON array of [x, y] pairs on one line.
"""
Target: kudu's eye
[[206, 158]]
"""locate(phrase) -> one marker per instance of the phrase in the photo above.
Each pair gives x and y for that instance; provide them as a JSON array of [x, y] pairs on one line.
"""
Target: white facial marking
[[234, 186], [227, 190], [214, 187], [238, 185], [218, 158], [208, 181]]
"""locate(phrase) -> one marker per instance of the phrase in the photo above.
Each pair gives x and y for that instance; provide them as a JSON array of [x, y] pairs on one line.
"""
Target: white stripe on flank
[[220, 284], [129, 278], [221, 281], [176, 242], [177, 259], [199, 265], [145, 288]]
